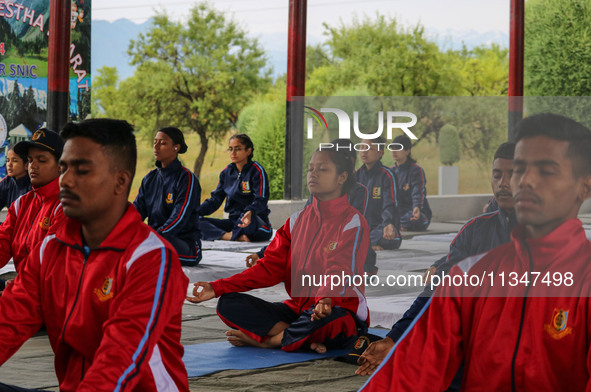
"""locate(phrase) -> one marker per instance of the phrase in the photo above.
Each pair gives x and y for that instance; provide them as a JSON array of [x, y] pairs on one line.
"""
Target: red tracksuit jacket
[[28, 221], [325, 238], [534, 341], [113, 314]]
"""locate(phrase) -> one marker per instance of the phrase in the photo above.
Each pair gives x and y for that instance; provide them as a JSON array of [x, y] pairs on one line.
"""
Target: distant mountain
[[110, 41], [454, 39]]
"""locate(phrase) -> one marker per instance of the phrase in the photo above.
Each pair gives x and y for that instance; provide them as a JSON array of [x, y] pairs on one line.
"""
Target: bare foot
[[243, 238], [318, 347], [227, 236], [238, 338]]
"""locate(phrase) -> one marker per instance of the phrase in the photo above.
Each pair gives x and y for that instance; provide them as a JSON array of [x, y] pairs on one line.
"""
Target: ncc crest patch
[[169, 199], [331, 246], [105, 293], [245, 186], [558, 327], [406, 187], [44, 223], [377, 192]]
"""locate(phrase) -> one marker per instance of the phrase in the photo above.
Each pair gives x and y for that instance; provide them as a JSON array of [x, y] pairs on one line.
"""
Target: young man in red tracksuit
[[32, 215], [106, 286], [529, 329]]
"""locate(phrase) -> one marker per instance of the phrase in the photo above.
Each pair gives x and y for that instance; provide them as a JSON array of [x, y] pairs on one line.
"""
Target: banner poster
[[24, 31]]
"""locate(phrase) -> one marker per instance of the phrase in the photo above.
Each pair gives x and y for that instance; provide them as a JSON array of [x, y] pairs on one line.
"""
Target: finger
[[192, 299]]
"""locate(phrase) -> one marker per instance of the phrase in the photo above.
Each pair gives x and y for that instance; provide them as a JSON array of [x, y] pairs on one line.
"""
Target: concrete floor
[[32, 365]]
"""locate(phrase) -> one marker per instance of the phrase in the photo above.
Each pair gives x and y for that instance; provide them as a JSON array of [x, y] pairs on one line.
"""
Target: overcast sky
[[270, 16]]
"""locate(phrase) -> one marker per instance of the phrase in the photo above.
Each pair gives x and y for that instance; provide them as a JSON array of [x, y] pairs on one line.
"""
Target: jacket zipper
[[86, 252], [308, 254], [531, 267], [32, 224]]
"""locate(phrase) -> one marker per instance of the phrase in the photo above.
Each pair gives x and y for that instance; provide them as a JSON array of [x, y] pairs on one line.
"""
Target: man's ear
[[123, 182]]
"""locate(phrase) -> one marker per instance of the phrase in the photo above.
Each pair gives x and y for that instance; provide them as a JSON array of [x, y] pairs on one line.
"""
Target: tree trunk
[[201, 157]]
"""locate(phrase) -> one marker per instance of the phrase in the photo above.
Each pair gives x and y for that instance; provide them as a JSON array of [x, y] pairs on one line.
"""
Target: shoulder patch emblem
[[377, 192], [558, 326], [105, 293], [406, 187], [44, 223], [169, 199], [245, 186]]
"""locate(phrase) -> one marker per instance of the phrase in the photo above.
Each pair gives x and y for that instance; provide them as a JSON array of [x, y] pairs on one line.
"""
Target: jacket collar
[[23, 181], [565, 240], [334, 207], [246, 166], [118, 239], [48, 191], [174, 166], [508, 221], [378, 165], [404, 165]]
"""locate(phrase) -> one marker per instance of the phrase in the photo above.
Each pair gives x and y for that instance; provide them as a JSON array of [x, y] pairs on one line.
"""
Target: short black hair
[[505, 151], [244, 139], [560, 128], [116, 136]]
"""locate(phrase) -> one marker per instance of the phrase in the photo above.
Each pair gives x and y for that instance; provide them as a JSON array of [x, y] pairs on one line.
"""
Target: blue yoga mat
[[207, 358]]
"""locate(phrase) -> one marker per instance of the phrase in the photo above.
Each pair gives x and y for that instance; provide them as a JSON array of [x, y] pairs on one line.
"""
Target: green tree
[[558, 48], [449, 145], [264, 121], [385, 58], [105, 95], [196, 75]]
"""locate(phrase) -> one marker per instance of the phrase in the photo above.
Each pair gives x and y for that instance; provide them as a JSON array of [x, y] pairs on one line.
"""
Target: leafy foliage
[[195, 75], [558, 47]]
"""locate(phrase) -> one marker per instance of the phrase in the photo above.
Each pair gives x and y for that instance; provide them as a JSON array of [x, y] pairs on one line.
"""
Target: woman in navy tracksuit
[[382, 213], [17, 181], [415, 213], [169, 197], [245, 186]]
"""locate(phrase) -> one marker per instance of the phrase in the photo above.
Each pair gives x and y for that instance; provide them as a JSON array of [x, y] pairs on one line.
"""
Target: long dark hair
[[343, 156], [23, 157], [246, 142], [406, 145]]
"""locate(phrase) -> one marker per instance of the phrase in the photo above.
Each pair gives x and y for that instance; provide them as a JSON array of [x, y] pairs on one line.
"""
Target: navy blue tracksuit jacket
[[412, 192], [480, 234], [169, 198], [245, 191], [11, 189], [382, 208]]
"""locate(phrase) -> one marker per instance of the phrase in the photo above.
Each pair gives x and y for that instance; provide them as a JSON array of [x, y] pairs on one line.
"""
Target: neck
[[95, 231], [329, 196], [402, 161], [240, 165], [163, 164], [19, 176], [369, 166]]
